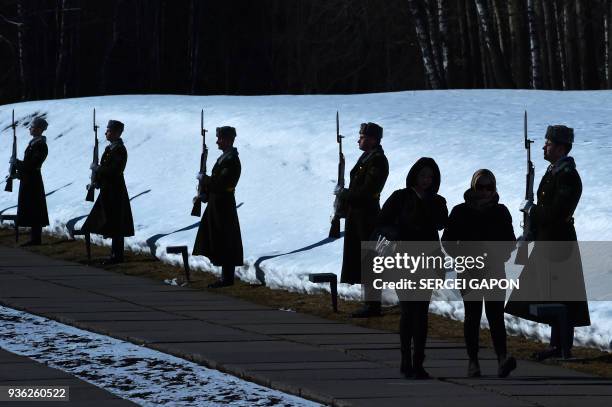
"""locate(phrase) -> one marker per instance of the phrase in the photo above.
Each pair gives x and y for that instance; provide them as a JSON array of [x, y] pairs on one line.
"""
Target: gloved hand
[[200, 176], [341, 193], [384, 247], [94, 167], [12, 160], [527, 207]]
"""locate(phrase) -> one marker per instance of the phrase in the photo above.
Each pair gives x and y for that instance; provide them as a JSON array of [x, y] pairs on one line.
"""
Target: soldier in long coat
[[32, 204], [362, 199], [111, 215], [554, 268], [219, 236]]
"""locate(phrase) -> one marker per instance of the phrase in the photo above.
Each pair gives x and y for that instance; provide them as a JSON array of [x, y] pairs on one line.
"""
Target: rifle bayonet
[[201, 196], [91, 187], [339, 210], [522, 252]]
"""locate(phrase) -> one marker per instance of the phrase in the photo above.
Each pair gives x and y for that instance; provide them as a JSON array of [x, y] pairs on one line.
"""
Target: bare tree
[[518, 41], [21, 50], [534, 42], [608, 43], [443, 29], [424, 43], [550, 35], [500, 77], [569, 35], [559, 44]]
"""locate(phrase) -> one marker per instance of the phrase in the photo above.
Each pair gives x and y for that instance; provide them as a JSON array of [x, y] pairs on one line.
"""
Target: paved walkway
[[323, 360], [18, 370]]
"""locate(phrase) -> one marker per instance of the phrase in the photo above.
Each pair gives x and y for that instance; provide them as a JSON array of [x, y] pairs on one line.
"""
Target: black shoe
[[31, 243], [220, 284], [473, 368], [111, 260], [406, 368], [367, 311], [420, 373], [546, 354], [506, 365]]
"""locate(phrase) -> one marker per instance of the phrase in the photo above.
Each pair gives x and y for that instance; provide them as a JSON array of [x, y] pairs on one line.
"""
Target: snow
[[289, 164], [136, 373]]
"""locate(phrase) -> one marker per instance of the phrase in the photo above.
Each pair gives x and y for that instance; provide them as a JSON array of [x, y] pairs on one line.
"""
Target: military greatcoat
[[111, 215], [219, 236], [554, 267], [368, 178], [32, 204]]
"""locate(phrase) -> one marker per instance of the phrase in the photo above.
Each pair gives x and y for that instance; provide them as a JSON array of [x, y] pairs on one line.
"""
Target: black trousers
[[117, 248], [555, 336], [36, 234], [227, 274], [413, 331], [471, 326]]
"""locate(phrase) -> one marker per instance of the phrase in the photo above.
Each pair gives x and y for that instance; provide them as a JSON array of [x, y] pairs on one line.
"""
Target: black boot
[[219, 284], [117, 249], [406, 367], [369, 309], [35, 237], [473, 368], [419, 371], [505, 365], [227, 278], [547, 353]]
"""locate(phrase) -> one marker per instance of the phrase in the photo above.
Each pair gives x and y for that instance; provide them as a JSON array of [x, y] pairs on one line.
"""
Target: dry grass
[[589, 360]]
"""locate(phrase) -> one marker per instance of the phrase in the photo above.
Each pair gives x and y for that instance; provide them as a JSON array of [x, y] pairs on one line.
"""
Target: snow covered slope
[[289, 158]]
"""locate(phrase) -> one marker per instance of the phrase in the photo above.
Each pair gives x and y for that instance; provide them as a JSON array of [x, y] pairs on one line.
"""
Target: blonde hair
[[483, 173]]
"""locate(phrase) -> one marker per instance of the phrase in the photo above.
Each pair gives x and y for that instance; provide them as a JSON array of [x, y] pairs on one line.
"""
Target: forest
[[72, 48]]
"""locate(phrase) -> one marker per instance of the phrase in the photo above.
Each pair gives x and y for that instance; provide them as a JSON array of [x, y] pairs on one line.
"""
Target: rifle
[[201, 196], [91, 187], [339, 206], [12, 167], [522, 252]]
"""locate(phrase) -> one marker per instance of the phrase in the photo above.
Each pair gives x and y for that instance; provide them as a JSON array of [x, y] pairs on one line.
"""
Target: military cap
[[371, 130], [560, 134], [115, 125], [226, 131], [40, 123]]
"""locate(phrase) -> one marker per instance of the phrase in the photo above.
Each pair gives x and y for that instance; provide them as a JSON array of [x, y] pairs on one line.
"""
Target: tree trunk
[[21, 51], [425, 45], [518, 41], [500, 78], [443, 29], [549, 31], [62, 51], [581, 39], [194, 44], [569, 34], [608, 45], [559, 41], [534, 42], [540, 30], [500, 9]]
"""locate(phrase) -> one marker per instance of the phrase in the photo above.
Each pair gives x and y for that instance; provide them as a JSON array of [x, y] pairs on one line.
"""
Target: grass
[[588, 360]]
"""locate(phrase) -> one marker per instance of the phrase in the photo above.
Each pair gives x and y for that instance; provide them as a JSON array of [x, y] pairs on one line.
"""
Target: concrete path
[[326, 361], [20, 371]]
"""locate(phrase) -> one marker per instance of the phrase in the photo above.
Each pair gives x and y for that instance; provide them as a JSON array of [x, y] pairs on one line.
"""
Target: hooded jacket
[[407, 217]]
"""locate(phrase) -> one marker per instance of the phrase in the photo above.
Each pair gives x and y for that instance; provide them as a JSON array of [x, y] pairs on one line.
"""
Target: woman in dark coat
[[32, 204], [415, 213], [481, 218], [219, 236]]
